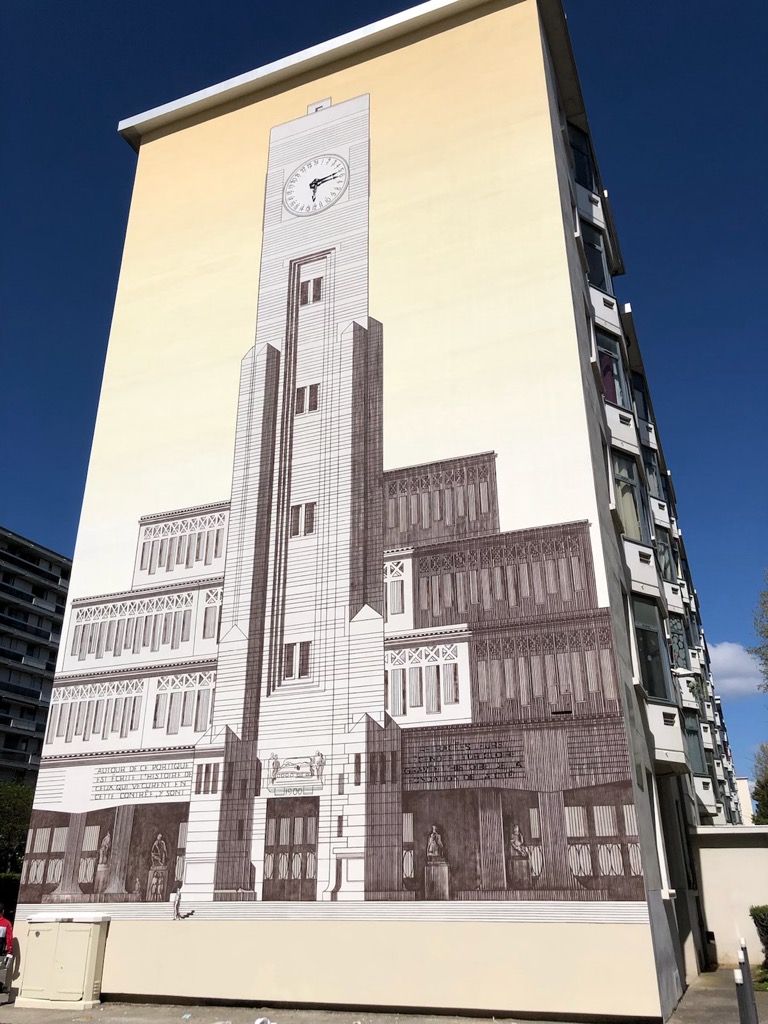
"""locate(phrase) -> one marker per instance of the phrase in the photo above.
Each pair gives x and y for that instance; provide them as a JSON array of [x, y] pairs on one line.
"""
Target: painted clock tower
[[300, 665]]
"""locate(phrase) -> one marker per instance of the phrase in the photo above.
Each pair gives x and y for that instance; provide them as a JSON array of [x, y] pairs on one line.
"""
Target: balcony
[[687, 685], [670, 754], [660, 512], [621, 423], [590, 206], [706, 737], [674, 598], [706, 797], [642, 568], [22, 725], [606, 310], [648, 434]]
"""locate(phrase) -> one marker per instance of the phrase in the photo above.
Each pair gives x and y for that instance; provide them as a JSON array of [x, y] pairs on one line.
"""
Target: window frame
[[622, 396], [583, 158], [639, 498], [656, 629], [586, 230]]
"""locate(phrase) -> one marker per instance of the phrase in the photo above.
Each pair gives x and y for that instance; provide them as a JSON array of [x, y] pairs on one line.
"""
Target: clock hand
[[321, 181]]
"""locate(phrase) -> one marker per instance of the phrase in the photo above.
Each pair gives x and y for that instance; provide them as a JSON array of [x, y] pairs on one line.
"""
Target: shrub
[[759, 915]]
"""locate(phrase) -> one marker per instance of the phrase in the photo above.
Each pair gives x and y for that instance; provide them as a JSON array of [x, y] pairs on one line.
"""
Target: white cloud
[[735, 670]]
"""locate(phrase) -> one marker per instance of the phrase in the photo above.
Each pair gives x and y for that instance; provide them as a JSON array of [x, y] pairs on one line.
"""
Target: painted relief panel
[[339, 682]]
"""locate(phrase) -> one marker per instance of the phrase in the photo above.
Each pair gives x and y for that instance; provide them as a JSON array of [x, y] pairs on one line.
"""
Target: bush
[[760, 916]]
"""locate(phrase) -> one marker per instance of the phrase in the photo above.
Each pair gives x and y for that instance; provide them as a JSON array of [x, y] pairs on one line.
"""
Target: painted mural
[[340, 683]]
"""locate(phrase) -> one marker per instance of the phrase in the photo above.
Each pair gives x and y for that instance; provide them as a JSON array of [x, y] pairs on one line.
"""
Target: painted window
[[302, 519], [296, 660], [311, 291], [307, 399]]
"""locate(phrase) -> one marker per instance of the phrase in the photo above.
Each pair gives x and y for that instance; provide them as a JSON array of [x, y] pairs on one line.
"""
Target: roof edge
[[134, 128]]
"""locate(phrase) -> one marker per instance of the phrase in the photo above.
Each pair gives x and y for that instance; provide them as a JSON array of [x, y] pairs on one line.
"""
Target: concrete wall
[[558, 968], [732, 867]]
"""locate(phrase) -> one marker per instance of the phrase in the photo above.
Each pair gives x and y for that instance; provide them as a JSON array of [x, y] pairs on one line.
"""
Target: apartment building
[[382, 651], [33, 588]]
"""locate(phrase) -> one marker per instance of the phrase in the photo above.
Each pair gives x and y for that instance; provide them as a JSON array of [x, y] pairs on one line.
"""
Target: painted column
[[68, 890], [492, 869], [121, 842]]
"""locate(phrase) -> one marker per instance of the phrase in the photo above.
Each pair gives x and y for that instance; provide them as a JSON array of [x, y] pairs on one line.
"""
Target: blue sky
[[675, 95]]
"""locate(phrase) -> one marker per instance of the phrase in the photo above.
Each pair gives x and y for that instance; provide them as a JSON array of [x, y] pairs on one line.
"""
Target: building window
[[665, 555], [307, 399], [583, 161], [629, 498], [640, 391], [657, 485], [311, 291], [694, 742], [678, 643], [302, 519], [296, 660], [597, 257], [651, 649], [612, 369]]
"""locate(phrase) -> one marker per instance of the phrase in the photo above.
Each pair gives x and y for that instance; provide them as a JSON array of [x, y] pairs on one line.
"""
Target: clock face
[[315, 185]]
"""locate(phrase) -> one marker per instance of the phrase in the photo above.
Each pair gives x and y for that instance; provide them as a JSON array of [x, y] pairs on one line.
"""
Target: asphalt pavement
[[711, 999]]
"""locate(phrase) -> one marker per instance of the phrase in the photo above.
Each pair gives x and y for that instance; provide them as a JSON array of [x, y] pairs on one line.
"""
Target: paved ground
[[711, 999]]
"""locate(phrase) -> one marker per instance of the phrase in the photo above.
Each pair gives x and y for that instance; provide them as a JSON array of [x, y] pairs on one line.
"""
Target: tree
[[760, 650], [15, 812], [760, 792]]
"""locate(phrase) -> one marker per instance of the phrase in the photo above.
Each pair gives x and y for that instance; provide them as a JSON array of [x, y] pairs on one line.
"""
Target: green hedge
[[759, 915]]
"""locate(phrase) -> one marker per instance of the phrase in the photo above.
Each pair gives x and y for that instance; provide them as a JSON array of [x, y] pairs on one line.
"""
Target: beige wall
[[732, 867], [468, 273], [555, 968]]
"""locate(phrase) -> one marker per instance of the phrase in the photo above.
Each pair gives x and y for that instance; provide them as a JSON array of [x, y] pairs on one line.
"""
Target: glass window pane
[[653, 474], [665, 555], [583, 163], [641, 396], [694, 742], [612, 369], [651, 649], [628, 498], [678, 643], [594, 248]]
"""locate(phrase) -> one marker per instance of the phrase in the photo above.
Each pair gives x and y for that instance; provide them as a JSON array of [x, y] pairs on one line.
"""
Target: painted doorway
[[290, 849]]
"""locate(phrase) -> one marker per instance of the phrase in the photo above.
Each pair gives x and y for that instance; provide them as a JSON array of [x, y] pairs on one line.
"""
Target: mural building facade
[[373, 669]]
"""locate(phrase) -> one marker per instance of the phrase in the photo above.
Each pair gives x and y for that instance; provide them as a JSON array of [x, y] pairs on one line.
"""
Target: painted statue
[[435, 848], [159, 852]]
